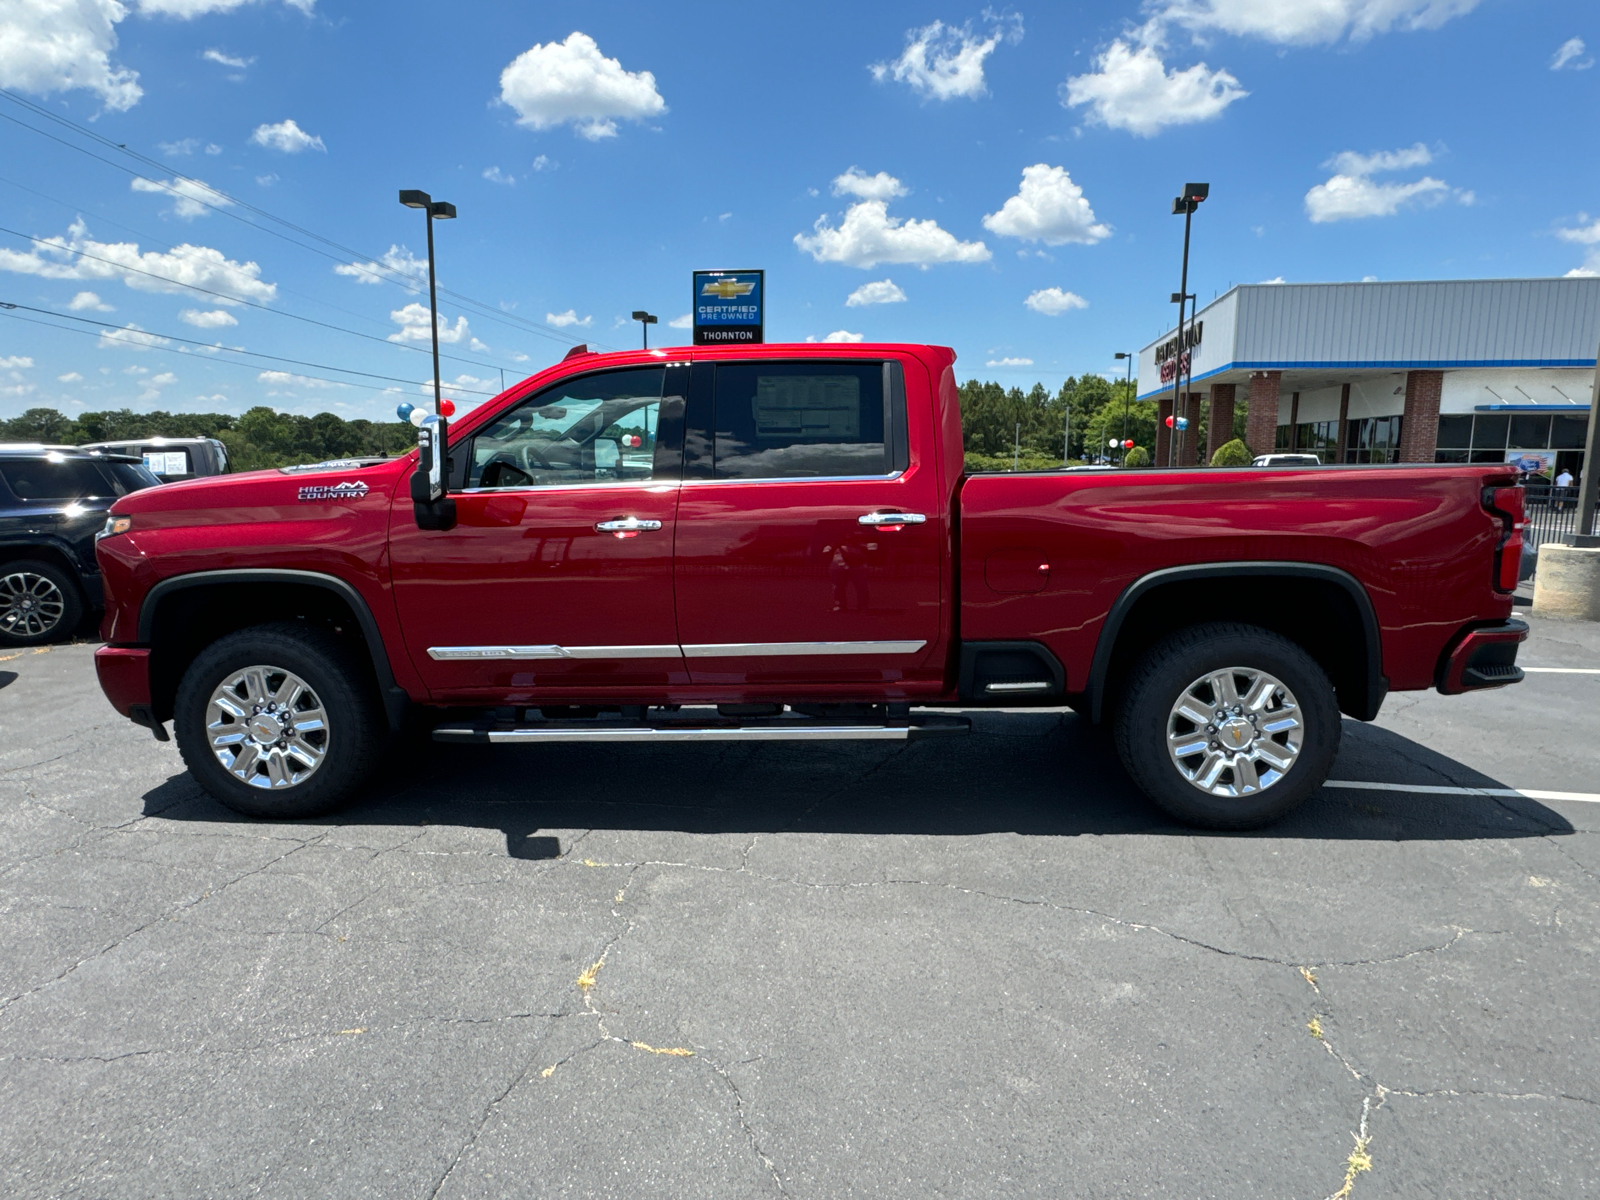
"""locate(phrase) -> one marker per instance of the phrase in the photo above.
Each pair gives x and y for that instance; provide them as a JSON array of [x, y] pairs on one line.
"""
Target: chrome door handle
[[891, 518], [626, 525]]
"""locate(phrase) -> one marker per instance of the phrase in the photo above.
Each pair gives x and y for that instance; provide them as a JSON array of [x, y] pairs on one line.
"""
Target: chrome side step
[[774, 730]]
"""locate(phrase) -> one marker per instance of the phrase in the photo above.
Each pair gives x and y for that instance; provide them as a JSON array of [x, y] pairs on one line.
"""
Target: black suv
[[53, 500]]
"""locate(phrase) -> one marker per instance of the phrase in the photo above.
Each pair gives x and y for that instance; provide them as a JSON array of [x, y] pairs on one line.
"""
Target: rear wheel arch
[[1325, 610], [182, 615], [44, 551]]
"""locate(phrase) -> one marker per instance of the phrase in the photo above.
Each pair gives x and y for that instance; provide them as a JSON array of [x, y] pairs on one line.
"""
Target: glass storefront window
[[1567, 433], [1530, 431], [1373, 440], [1489, 431], [1455, 433]]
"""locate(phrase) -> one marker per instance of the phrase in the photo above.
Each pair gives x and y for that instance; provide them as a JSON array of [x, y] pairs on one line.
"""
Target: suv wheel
[[278, 721], [1228, 726], [38, 601]]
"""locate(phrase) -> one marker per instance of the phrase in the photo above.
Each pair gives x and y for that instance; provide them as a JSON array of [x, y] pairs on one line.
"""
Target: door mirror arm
[[431, 504]]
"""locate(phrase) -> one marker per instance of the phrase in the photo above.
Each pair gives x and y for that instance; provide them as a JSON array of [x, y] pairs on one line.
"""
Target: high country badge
[[347, 490]]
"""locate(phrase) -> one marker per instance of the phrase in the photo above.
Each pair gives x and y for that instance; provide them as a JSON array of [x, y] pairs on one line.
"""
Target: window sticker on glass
[[167, 462], [807, 406]]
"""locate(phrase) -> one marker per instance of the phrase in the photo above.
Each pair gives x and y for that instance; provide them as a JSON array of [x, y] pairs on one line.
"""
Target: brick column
[[1219, 422], [1163, 434], [1190, 455], [1419, 429], [1261, 413], [1344, 423]]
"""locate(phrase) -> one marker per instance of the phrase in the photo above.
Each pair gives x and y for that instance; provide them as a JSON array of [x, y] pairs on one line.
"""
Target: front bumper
[[124, 673], [1481, 657]]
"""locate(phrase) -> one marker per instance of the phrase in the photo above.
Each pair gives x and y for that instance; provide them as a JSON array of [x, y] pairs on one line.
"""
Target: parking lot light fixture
[[1187, 204], [1126, 395], [436, 210], [645, 321]]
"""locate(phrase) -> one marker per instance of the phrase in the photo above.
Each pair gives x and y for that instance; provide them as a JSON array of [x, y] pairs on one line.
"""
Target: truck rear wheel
[[278, 721], [1228, 726], [38, 602]]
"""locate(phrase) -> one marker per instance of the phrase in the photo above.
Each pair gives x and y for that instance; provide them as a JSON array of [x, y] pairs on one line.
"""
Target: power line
[[536, 327], [371, 337], [6, 310]]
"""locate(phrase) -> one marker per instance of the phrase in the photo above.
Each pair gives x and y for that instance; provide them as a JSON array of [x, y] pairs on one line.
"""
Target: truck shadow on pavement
[[1038, 775]]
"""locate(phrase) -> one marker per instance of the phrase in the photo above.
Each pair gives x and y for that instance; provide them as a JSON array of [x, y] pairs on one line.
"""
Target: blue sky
[[995, 180]]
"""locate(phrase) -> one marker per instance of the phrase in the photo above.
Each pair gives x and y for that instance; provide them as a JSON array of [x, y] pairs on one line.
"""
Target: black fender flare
[[395, 698], [1377, 686]]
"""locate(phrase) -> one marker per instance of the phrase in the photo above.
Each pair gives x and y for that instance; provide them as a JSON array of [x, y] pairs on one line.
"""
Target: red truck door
[[558, 574], [808, 544]]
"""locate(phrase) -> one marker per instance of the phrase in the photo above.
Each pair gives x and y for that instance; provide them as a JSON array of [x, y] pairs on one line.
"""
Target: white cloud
[[1309, 22], [15, 362], [1132, 89], [215, 319], [89, 301], [868, 235], [129, 337], [289, 379], [185, 9], [684, 322], [1053, 301], [413, 322], [69, 377], [1273, 280], [163, 379], [841, 335], [1567, 57], [227, 60], [1009, 362], [287, 137], [884, 291], [397, 264], [942, 62], [181, 146], [197, 266], [1352, 193], [213, 148], [1048, 208], [496, 175], [563, 319], [1584, 235], [856, 182], [477, 390], [543, 163], [266, 180], [571, 81], [51, 46], [191, 197]]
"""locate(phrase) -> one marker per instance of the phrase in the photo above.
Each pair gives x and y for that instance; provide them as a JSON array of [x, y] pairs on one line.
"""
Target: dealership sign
[[729, 307], [1172, 355]]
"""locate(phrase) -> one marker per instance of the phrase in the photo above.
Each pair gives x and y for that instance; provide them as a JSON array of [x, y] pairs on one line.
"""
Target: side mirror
[[431, 507]]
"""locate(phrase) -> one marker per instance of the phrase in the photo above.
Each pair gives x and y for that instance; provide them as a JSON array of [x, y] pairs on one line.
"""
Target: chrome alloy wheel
[[1234, 732], [31, 605], [267, 727]]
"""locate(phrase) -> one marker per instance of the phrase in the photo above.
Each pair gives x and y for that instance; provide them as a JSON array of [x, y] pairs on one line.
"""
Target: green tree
[[1137, 457]]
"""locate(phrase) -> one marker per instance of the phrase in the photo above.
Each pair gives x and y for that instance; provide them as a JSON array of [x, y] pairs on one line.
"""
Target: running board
[[775, 730]]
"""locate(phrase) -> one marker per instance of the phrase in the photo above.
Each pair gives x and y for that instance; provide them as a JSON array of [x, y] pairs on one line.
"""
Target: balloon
[[1183, 422], [447, 408], [404, 411], [1112, 443], [417, 416], [1128, 445], [1169, 422]]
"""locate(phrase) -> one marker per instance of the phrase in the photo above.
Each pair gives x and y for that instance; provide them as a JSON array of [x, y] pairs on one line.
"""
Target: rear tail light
[[1507, 504]]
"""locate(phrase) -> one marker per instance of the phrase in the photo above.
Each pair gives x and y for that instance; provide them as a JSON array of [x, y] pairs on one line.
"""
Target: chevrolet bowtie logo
[[727, 289]]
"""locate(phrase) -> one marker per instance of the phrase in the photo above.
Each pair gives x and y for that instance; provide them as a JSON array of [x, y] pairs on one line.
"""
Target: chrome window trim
[[797, 649], [608, 484], [889, 478], [518, 653]]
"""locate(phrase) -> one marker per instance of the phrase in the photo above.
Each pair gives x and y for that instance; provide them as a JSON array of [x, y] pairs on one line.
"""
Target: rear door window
[[801, 420], [68, 479]]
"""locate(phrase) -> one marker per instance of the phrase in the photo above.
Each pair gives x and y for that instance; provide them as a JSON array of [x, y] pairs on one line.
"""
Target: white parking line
[[1435, 790], [1564, 670]]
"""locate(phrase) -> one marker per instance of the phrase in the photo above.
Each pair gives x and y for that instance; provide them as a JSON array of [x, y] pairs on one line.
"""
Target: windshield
[[128, 477]]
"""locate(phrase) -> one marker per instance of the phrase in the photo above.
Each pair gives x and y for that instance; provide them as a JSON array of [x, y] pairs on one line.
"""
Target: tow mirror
[[432, 507]]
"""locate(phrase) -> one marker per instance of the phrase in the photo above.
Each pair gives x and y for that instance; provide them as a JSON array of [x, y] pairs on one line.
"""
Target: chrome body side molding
[[452, 653], [797, 649]]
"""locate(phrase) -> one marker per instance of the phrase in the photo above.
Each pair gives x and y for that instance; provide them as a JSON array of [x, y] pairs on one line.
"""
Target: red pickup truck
[[781, 542]]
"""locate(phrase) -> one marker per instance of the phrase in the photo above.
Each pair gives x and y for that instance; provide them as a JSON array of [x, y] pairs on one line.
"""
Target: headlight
[[116, 525]]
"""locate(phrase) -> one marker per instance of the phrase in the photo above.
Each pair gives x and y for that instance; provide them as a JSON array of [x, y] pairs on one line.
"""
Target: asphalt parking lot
[[972, 967]]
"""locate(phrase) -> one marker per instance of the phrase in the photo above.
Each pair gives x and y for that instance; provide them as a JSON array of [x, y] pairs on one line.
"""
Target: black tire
[[1164, 675], [355, 727], [52, 592]]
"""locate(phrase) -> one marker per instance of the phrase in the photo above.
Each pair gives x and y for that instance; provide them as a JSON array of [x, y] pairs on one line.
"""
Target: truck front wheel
[[1228, 726], [278, 721]]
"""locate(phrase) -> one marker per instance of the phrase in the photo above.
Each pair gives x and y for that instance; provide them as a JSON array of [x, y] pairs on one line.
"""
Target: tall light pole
[[645, 321], [1127, 396], [436, 210], [1187, 204]]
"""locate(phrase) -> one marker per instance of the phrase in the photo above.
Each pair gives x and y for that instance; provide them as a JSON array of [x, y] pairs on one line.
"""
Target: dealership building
[[1478, 370]]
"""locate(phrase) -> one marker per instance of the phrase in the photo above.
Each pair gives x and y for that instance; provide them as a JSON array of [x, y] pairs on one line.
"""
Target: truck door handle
[[625, 527], [879, 519]]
